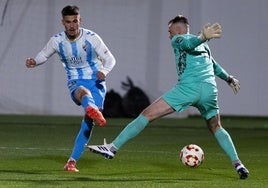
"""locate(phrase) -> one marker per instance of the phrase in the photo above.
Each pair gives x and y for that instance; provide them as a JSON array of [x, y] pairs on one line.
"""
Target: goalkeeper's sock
[[82, 139], [86, 101], [225, 141], [130, 131]]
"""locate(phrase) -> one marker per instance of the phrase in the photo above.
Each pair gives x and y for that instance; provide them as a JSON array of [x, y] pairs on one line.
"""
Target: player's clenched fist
[[30, 63]]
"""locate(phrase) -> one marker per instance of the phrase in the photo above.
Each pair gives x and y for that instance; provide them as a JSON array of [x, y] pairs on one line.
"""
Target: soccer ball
[[192, 155]]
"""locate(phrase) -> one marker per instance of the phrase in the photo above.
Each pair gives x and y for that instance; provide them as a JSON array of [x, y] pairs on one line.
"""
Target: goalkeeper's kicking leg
[[156, 110]]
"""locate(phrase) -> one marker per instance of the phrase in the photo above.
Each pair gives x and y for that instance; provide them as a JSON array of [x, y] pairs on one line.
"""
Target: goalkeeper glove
[[210, 31], [233, 83]]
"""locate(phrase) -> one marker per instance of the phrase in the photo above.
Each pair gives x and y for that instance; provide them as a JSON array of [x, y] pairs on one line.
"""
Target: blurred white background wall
[[137, 34]]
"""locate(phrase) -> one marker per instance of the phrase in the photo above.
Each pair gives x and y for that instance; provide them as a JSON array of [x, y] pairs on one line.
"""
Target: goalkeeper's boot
[[241, 170], [106, 150], [96, 115], [70, 166]]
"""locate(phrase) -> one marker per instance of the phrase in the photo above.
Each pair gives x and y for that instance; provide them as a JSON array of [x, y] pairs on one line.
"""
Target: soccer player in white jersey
[[87, 61]]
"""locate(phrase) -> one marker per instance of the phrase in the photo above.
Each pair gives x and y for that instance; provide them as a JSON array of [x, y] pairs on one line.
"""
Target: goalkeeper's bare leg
[[156, 110], [226, 143]]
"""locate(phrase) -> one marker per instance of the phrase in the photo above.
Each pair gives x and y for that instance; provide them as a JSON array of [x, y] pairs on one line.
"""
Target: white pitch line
[[21, 148], [68, 149], [129, 151]]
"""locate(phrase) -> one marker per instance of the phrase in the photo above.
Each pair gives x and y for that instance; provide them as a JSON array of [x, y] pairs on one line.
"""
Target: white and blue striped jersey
[[81, 58]]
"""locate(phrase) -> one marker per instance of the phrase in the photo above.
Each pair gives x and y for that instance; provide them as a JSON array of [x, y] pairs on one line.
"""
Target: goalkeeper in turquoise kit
[[196, 87]]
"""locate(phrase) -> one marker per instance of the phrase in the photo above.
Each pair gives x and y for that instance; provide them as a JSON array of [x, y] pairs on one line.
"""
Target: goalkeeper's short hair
[[179, 18]]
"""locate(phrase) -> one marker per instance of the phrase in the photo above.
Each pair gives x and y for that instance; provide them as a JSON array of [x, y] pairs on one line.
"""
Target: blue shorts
[[95, 87], [203, 96]]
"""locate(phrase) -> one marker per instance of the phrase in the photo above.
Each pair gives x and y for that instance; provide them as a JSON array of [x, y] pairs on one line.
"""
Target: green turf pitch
[[34, 149]]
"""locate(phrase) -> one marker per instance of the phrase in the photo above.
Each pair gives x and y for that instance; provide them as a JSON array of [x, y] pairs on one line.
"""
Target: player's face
[[177, 28], [72, 24]]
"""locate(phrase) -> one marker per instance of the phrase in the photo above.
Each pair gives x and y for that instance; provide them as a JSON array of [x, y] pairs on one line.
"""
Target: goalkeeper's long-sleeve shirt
[[194, 62]]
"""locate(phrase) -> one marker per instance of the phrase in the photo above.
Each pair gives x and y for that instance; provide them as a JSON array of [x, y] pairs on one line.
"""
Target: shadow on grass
[[58, 180]]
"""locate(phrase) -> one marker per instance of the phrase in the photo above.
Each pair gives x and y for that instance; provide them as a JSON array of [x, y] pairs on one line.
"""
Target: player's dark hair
[[179, 18], [70, 10]]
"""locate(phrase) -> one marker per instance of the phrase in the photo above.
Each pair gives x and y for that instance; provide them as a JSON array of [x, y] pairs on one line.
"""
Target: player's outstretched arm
[[210, 31]]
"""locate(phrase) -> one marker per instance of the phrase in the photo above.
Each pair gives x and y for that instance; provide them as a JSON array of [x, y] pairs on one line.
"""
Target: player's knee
[[81, 91], [148, 116], [214, 124], [214, 128]]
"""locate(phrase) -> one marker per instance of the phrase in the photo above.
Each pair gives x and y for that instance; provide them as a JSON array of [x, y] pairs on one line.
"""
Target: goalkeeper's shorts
[[203, 96]]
